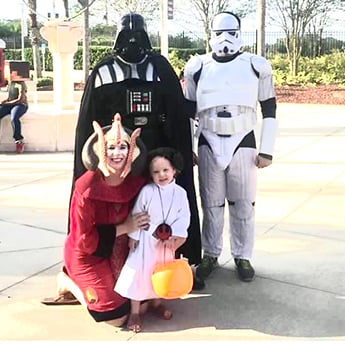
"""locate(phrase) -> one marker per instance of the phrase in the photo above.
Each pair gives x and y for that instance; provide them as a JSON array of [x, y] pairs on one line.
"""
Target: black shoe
[[207, 265], [198, 283], [245, 270]]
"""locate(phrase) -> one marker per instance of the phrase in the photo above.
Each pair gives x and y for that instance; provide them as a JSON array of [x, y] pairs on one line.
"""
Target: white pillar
[[63, 83], [62, 37]]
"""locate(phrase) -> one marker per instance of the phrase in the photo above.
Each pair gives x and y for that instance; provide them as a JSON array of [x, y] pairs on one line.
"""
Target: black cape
[[102, 103]]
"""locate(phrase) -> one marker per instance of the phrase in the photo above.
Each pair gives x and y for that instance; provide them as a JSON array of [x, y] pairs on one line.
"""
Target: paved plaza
[[299, 257]]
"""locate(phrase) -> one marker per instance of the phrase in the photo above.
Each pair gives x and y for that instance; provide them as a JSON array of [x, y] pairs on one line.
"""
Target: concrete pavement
[[299, 257]]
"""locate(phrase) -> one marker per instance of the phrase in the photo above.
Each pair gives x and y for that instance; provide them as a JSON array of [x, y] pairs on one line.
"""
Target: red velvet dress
[[96, 208]]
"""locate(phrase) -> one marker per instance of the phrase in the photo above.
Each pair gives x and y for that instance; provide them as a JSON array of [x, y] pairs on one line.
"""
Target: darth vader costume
[[142, 86]]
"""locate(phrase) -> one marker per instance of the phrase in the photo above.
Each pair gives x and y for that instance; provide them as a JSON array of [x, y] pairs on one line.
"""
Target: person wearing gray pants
[[225, 86]]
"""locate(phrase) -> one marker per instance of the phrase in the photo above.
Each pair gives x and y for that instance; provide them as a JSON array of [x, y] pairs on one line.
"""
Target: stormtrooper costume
[[226, 86]]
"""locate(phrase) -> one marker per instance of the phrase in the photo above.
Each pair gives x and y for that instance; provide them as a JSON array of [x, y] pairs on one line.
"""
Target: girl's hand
[[174, 242]]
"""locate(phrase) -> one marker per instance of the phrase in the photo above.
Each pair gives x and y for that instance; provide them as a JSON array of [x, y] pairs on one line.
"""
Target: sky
[[13, 9]]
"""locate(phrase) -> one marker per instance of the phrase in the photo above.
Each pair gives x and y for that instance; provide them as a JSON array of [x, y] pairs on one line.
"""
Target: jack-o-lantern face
[[163, 232]]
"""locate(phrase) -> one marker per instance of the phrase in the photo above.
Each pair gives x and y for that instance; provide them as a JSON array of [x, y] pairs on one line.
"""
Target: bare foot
[[62, 283], [144, 306], [161, 311], [134, 323]]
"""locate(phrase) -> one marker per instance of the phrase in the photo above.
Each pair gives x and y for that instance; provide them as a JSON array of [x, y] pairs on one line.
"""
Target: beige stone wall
[[44, 129]]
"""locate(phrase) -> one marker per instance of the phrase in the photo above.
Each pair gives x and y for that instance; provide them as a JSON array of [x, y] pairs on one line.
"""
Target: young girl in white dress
[[168, 207]]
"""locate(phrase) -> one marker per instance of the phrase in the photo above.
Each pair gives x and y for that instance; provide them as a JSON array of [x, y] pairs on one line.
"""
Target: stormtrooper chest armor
[[227, 83]]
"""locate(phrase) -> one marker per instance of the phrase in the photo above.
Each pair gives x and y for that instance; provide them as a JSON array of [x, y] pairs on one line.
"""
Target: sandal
[[134, 323], [161, 311], [64, 299]]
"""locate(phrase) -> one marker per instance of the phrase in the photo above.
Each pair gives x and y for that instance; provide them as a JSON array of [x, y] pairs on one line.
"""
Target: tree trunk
[[34, 36], [294, 60], [207, 40], [86, 44], [86, 40], [293, 51], [261, 14], [65, 5]]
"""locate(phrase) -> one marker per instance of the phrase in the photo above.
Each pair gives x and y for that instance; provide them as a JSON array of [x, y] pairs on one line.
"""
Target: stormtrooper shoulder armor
[[192, 66], [261, 65]]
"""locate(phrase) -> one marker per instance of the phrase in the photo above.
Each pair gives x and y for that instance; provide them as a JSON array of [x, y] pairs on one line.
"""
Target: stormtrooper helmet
[[225, 34]]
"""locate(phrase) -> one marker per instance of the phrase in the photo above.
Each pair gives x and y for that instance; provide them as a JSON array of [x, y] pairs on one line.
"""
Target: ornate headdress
[[94, 150]]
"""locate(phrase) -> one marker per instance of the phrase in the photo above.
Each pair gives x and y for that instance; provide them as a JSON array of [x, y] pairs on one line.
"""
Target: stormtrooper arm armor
[[264, 70], [268, 105], [269, 130], [269, 127], [191, 71]]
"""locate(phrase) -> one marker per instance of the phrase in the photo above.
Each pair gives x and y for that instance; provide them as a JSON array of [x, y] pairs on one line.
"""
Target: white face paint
[[117, 155], [225, 35]]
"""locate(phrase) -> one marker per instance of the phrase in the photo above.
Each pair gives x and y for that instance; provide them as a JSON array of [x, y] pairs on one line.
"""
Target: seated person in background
[[15, 105]]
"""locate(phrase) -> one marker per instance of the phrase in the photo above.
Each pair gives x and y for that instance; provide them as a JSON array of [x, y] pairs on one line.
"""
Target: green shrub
[[326, 69], [177, 63], [46, 81]]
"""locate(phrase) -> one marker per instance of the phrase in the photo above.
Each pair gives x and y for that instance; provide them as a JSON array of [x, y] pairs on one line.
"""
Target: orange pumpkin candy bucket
[[173, 279]]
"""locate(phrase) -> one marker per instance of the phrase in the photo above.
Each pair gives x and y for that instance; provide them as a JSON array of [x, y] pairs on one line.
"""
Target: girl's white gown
[[165, 204]]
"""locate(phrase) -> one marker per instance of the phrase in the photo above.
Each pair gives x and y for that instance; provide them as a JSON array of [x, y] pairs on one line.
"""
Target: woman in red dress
[[97, 244]]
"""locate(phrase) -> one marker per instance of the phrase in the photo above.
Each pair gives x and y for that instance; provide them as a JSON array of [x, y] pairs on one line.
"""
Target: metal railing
[[314, 44]]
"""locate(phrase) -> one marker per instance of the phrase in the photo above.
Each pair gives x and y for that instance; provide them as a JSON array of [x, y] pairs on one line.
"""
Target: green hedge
[[96, 54], [326, 69]]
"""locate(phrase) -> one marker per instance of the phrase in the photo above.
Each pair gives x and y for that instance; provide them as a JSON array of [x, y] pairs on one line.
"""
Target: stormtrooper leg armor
[[241, 193], [237, 184]]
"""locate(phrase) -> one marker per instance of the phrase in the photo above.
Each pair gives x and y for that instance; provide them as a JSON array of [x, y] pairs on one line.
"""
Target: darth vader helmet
[[225, 34], [132, 41]]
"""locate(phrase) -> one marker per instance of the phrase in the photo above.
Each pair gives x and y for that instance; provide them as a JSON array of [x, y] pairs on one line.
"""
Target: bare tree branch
[[207, 9], [294, 17]]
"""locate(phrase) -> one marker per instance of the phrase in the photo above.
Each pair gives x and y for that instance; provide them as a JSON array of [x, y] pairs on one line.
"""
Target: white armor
[[231, 86], [225, 34], [216, 88], [227, 93]]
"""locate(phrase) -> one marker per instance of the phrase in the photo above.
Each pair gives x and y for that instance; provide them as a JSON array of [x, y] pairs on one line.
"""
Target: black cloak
[[102, 103]]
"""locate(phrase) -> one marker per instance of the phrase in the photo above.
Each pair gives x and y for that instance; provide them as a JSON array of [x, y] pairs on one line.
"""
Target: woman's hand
[[132, 244], [139, 221]]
